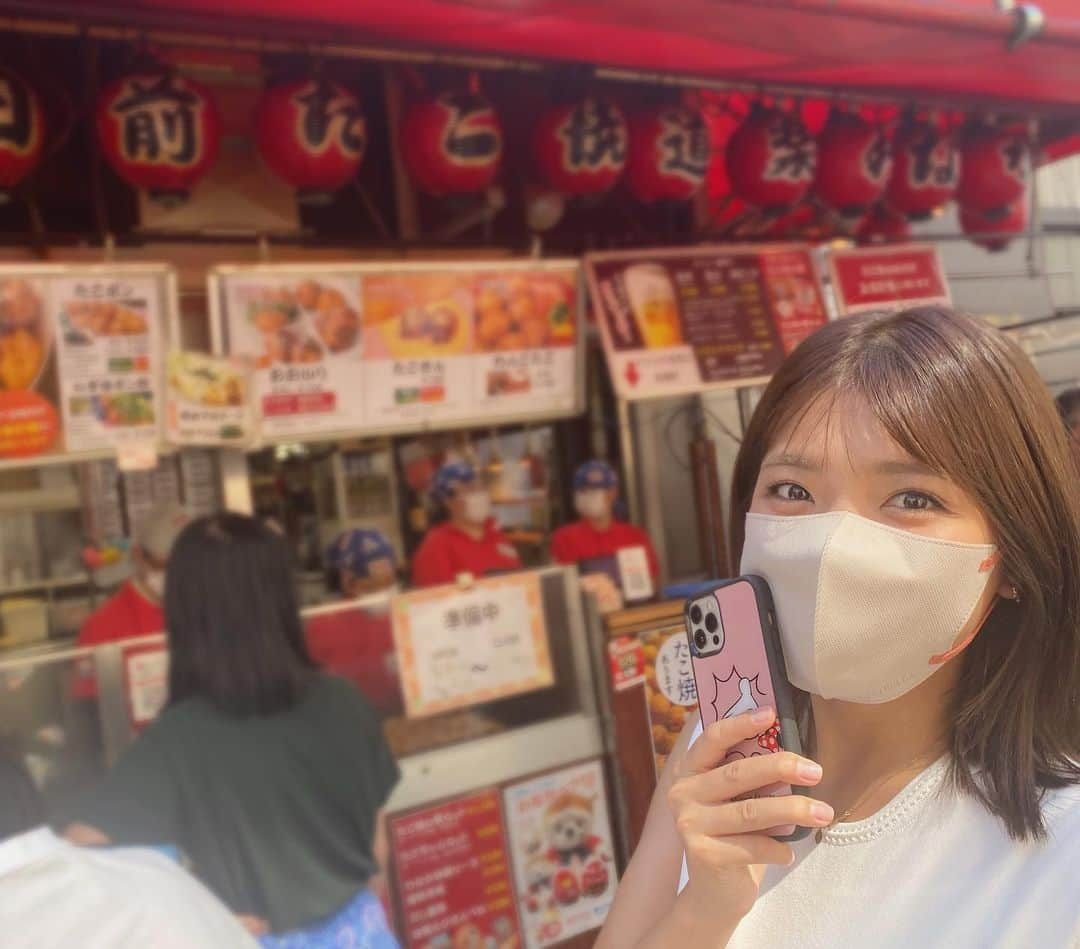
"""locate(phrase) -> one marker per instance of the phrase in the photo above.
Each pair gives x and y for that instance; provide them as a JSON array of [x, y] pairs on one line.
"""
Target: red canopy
[[921, 49]]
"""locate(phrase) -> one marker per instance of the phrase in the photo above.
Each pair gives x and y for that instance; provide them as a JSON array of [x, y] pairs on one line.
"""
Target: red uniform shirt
[[358, 645], [125, 615], [579, 541], [447, 551]]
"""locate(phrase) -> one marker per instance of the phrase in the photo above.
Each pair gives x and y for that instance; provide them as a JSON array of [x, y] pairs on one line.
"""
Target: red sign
[[876, 278], [452, 875], [29, 424], [627, 661], [681, 321]]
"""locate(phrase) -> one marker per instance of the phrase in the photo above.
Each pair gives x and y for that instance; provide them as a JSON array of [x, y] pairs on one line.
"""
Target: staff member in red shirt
[[597, 534], [469, 541], [135, 609]]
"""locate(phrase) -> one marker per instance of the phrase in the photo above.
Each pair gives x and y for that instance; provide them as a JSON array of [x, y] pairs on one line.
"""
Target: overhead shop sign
[[682, 321], [81, 357], [887, 278], [350, 349]]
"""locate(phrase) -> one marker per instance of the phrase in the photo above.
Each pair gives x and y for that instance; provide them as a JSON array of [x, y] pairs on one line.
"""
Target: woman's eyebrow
[[787, 460], [901, 467]]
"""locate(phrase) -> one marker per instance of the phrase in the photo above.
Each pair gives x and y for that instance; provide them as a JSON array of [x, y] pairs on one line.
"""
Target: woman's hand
[[723, 831]]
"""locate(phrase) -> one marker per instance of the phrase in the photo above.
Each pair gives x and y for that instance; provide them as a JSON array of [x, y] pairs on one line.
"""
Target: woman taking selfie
[[268, 774], [905, 488]]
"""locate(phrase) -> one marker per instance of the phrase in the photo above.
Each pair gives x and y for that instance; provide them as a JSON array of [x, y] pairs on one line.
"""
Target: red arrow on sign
[[632, 374]]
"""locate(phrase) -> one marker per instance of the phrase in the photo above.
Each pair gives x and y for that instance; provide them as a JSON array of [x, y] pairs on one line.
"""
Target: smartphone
[[738, 665]]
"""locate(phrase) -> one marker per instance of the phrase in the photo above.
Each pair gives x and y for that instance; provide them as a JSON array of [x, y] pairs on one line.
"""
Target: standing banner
[[684, 320], [457, 648], [564, 860], [81, 357], [356, 348], [886, 278]]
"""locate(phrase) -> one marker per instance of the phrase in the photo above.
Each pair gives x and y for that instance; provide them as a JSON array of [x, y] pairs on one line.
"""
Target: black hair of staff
[[268, 774]]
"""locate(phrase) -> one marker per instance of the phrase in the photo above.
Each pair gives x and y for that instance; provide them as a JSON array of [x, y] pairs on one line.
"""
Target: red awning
[[918, 49]]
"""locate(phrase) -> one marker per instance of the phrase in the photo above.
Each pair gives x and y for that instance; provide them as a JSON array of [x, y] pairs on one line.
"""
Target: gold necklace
[[861, 799]]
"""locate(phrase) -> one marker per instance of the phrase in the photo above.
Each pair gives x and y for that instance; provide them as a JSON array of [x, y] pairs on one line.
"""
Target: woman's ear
[[1007, 590]]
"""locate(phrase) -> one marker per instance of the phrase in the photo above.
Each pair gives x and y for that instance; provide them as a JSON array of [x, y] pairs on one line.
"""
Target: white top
[[932, 868], [57, 896]]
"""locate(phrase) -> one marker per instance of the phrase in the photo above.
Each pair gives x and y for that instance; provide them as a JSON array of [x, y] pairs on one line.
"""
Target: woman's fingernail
[[821, 812], [763, 716], [808, 770]]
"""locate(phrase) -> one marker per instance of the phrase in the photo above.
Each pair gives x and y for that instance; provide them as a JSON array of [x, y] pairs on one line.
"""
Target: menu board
[[458, 648], [146, 682], [80, 357], [363, 347], [208, 400], [452, 875], [564, 860], [678, 321], [885, 278]]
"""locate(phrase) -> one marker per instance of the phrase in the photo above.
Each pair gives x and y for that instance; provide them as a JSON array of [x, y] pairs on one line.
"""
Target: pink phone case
[[739, 666]]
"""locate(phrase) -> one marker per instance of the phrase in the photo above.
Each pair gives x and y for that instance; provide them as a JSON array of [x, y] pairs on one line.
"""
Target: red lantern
[[883, 225], [995, 229], [925, 169], [311, 132], [771, 159], [22, 132], [669, 154], [854, 163], [581, 149], [994, 169], [452, 144], [159, 131]]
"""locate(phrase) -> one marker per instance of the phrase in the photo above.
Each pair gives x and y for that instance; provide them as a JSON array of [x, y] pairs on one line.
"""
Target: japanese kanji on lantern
[[581, 148], [995, 165], [312, 133], [771, 159], [159, 131], [452, 143], [669, 154], [22, 132], [854, 163], [925, 168]]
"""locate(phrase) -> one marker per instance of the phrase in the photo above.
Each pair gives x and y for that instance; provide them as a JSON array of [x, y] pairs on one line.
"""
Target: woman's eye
[[914, 501], [789, 491]]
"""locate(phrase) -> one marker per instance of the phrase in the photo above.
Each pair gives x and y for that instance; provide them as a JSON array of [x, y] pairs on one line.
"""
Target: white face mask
[[591, 504], [155, 583], [477, 507], [866, 612]]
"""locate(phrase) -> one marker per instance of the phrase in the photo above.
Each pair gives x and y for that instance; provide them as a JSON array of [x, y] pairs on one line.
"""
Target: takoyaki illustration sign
[[302, 334], [561, 843], [108, 330]]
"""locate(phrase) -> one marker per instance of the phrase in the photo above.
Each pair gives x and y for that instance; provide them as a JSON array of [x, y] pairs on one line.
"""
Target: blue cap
[[357, 550], [449, 477], [595, 474]]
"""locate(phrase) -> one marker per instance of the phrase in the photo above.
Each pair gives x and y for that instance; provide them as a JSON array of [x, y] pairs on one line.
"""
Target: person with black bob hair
[[269, 774]]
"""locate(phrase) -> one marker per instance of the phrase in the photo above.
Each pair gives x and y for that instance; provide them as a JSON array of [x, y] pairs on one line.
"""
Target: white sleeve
[[684, 873]]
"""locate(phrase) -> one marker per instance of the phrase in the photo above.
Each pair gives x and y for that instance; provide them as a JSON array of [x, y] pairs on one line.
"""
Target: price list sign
[[683, 321]]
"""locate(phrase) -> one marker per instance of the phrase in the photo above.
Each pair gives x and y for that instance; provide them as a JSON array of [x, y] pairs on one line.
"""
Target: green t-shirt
[[276, 813]]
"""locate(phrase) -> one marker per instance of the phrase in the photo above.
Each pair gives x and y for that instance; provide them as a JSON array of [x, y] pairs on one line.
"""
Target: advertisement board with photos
[[375, 348], [82, 358]]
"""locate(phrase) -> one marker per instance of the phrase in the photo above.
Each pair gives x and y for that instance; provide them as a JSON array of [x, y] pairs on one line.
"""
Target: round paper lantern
[[669, 154], [994, 169], [311, 133], [925, 169], [22, 132], [854, 163], [159, 131], [995, 229], [581, 149], [883, 225], [771, 158], [452, 143]]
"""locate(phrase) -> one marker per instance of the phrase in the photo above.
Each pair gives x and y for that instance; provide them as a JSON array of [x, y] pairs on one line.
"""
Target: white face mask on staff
[[477, 507], [866, 612], [592, 504]]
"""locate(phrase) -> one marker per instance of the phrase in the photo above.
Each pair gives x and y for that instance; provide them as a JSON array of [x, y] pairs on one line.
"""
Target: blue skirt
[[360, 925]]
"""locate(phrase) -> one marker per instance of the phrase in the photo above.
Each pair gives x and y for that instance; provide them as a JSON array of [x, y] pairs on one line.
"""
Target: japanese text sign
[[882, 278]]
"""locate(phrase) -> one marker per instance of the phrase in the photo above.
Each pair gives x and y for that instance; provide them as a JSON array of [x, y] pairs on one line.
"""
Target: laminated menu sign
[[303, 335], [108, 335], [458, 648], [208, 400], [452, 875], [564, 861], [146, 681], [677, 321], [876, 278]]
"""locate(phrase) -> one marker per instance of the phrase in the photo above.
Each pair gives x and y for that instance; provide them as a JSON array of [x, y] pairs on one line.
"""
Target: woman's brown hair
[[959, 396]]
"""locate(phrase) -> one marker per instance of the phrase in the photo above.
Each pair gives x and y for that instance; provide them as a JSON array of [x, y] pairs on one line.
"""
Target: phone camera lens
[[711, 623], [700, 639], [695, 613]]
